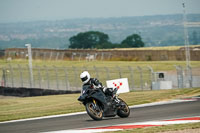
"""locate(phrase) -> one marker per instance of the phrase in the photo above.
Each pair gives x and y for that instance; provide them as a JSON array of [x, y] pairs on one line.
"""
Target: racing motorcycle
[[99, 105]]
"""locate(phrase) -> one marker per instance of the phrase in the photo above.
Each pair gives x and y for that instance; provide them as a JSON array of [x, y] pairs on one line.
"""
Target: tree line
[[100, 40]]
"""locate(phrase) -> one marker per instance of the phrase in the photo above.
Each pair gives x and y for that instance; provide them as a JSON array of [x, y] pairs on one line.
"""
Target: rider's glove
[[97, 86]]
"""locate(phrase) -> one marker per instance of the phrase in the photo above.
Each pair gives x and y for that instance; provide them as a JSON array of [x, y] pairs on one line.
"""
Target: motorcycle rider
[[104, 100], [87, 80], [95, 84]]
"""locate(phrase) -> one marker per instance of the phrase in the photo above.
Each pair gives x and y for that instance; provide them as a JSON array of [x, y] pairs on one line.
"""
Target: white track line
[[44, 117], [84, 131]]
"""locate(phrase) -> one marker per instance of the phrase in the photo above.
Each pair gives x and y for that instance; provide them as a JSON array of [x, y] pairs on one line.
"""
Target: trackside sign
[[120, 84]]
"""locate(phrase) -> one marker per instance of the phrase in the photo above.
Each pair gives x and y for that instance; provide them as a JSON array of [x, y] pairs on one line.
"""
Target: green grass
[[176, 127], [156, 65], [82, 65], [112, 65], [28, 107]]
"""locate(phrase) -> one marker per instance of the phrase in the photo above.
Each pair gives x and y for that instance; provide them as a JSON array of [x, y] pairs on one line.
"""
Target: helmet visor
[[84, 79]]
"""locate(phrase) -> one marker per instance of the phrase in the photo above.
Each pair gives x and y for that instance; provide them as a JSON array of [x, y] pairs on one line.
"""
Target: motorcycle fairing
[[108, 110], [99, 96]]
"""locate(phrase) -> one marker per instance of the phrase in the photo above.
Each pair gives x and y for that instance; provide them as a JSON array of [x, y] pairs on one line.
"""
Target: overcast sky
[[33, 10]]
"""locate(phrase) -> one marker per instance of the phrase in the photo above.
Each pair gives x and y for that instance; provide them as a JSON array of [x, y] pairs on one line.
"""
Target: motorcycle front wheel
[[124, 110], [94, 111]]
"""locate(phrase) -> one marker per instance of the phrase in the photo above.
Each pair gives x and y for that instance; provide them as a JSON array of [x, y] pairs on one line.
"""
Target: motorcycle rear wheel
[[96, 114], [124, 110]]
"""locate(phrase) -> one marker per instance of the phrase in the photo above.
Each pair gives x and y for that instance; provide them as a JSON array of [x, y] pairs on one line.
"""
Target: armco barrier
[[29, 92]]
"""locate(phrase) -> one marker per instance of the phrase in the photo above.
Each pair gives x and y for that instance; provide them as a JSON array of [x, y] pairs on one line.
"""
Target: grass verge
[[28, 107]]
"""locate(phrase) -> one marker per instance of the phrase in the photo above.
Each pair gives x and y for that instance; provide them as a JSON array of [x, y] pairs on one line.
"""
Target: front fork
[[94, 104], [94, 101]]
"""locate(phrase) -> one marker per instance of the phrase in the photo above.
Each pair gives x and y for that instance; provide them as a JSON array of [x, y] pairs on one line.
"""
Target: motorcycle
[[99, 105]]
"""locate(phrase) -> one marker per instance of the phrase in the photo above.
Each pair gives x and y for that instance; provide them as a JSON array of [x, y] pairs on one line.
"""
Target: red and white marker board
[[121, 84]]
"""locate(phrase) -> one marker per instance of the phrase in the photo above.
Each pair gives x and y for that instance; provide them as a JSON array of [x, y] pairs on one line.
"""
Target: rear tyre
[[94, 111], [123, 110]]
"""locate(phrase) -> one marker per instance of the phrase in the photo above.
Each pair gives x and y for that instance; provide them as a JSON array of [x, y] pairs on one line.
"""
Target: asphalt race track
[[138, 114]]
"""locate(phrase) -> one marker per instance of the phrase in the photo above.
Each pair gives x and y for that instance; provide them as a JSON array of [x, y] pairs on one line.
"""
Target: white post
[[187, 48], [30, 63]]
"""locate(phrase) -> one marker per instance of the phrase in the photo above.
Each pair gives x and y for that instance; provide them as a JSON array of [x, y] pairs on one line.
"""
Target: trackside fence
[[67, 78]]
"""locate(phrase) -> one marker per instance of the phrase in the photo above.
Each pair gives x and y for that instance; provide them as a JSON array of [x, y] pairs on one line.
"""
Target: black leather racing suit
[[96, 84]]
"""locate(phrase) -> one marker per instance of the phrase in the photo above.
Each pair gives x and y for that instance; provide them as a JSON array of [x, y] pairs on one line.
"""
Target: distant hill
[[159, 30]]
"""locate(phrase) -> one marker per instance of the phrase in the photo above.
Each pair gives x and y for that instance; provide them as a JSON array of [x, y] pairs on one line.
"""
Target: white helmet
[[85, 77]]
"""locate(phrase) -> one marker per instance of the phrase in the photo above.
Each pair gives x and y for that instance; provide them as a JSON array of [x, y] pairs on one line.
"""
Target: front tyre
[[123, 110], [94, 111]]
